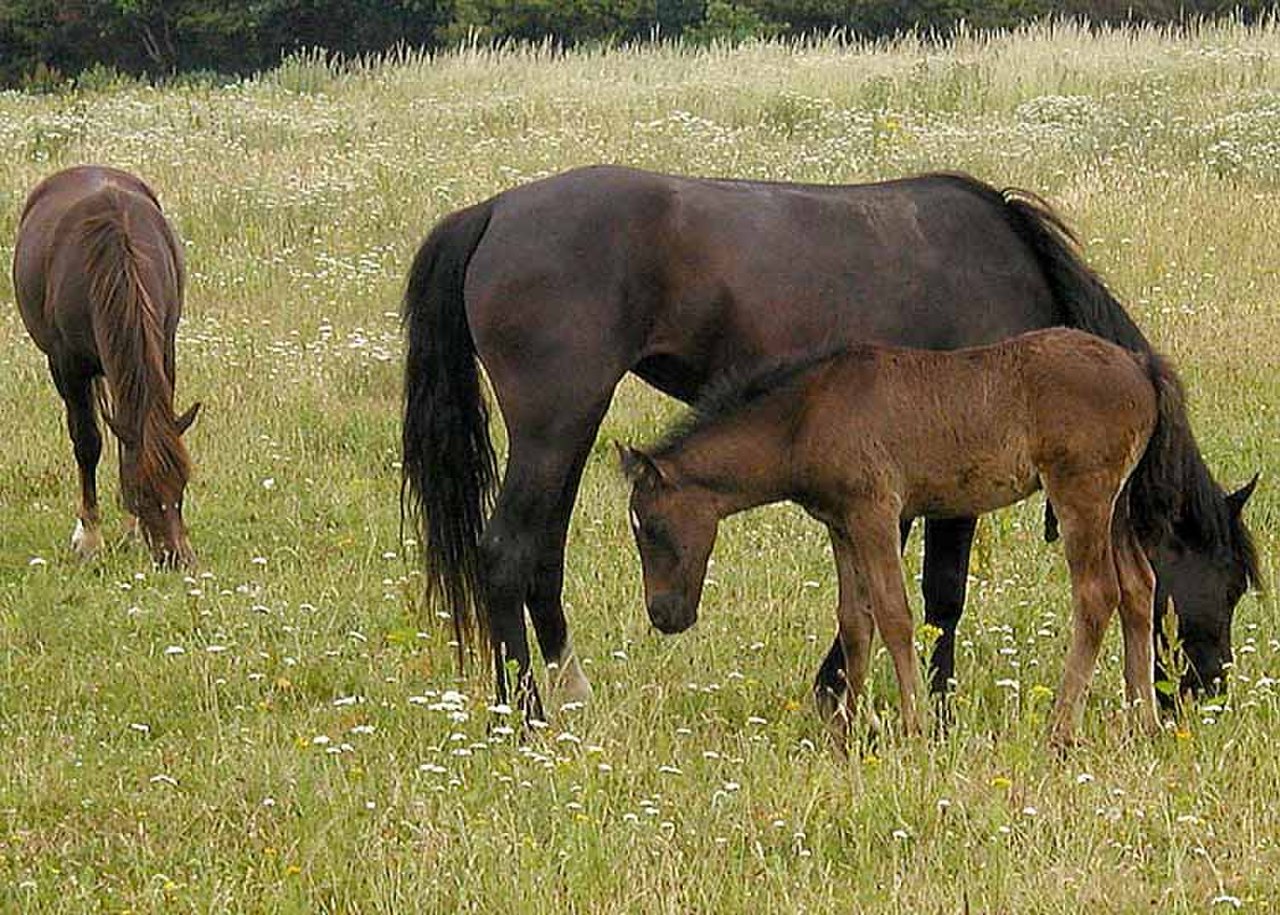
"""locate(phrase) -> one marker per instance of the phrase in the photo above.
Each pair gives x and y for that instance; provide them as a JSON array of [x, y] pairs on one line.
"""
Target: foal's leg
[[878, 562], [82, 424], [1084, 513], [829, 683], [838, 704], [1137, 598]]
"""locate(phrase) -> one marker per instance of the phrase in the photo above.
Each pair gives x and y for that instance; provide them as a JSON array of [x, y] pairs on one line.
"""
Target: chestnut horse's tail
[[449, 470], [1171, 487], [130, 336]]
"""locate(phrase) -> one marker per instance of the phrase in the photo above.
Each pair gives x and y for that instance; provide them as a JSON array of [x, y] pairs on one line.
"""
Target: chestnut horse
[[563, 286], [867, 436], [99, 278]]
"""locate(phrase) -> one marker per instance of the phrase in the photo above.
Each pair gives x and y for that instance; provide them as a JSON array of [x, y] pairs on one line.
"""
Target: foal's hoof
[[86, 542], [568, 684]]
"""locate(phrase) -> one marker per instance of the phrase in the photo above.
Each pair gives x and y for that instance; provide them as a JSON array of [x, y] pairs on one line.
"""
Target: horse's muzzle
[[670, 614]]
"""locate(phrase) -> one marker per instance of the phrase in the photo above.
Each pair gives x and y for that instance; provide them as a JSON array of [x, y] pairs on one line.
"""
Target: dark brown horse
[[871, 435], [563, 286], [99, 278]]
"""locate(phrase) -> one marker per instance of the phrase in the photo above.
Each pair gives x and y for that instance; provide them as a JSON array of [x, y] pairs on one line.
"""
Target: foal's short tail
[[449, 467], [1171, 484]]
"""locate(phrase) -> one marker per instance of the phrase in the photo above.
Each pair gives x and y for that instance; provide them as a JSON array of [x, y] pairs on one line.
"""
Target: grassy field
[[285, 729]]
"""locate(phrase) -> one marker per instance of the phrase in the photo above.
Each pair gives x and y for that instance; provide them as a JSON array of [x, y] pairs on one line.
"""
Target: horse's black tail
[[1171, 487], [449, 469], [1083, 297]]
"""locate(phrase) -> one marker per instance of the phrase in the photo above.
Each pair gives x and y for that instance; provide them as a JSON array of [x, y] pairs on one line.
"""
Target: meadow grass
[[285, 730]]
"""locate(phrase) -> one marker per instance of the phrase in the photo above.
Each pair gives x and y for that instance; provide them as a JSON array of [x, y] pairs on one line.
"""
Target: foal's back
[[50, 267], [968, 431]]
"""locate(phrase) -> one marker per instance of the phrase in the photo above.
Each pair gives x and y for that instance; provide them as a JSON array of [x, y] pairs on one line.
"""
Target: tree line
[[47, 42]]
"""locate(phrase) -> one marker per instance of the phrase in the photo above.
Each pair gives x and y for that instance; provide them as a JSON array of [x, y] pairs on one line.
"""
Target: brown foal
[[867, 436]]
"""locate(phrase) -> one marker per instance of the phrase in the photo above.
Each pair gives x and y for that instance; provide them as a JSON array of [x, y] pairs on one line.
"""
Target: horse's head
[[1205, 583], [153, 478], [675, 529]]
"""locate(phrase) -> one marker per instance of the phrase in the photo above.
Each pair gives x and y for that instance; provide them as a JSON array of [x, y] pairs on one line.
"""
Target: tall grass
[[285, 731]]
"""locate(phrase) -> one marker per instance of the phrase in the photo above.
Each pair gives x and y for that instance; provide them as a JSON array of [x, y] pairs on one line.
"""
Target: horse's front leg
[[829, 683], [878, 558], [839, 688], [86, 440]]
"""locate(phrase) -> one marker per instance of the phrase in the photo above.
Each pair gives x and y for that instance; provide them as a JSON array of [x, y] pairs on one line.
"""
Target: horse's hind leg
[[947, 544], [82, 423], [523, 542], [566, 680], [1084, 512], [1137, 598]]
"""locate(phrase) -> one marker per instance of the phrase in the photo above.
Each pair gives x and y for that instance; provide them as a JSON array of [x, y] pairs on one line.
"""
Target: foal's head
[[154, 470], [675, 529], [1205, 582]]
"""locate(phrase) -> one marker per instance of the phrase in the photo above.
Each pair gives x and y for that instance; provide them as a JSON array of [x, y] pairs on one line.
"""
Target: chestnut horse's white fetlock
[[86, 542]]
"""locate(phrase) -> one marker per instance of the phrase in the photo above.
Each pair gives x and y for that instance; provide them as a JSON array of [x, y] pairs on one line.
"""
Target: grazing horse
[[867, 436], [562, 286], [99, 277]]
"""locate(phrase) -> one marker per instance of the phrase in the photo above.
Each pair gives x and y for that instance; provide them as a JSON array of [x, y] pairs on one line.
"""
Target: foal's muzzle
[[670, 614]]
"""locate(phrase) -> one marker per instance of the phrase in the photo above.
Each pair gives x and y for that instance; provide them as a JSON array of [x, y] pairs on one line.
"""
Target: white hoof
[[569, 685], [86, 542]]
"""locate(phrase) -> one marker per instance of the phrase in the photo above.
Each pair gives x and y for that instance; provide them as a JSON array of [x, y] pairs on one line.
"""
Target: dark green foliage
[[45, 42]]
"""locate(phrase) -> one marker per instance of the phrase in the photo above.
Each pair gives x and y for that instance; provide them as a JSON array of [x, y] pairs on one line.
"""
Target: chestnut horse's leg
[[1137, 610], [1084, 507], [76, 389]]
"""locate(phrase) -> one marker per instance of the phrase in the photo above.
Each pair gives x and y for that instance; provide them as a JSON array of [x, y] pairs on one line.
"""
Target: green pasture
[[285, 729]]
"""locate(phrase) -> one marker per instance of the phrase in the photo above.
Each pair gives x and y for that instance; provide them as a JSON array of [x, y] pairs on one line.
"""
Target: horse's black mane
[[731, 391]]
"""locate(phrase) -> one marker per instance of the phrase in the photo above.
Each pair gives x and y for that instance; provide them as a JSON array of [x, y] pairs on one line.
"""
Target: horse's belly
[[969, 487]]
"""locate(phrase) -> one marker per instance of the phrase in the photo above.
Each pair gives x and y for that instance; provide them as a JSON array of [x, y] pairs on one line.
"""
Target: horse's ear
[[186, 419], [1238, 498], [636, 465], [126, 438]]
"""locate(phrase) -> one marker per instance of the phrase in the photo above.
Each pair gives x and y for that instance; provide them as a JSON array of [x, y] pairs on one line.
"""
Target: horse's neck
[[743, 463]]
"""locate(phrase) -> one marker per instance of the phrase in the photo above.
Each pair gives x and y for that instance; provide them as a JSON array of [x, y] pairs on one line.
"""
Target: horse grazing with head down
[[99, 279], [864, 437], [562, 286]]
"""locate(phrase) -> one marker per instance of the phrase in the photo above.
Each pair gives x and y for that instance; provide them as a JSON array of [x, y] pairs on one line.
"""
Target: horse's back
[[683, 278], [51, 258]]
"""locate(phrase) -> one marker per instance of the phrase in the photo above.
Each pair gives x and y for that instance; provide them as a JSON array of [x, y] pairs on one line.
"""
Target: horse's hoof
[[569, 685], [86, 542]]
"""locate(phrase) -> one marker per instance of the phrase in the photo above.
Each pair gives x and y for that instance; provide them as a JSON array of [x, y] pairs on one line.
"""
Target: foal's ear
[[1237, 499], [186, 419], [636, 465]]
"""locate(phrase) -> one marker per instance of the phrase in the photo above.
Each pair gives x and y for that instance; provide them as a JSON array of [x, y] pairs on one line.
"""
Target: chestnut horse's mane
[[129, 327]]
